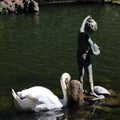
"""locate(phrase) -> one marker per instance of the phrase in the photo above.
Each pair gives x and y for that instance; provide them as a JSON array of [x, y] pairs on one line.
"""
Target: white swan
[[40, 98], [101, 90]]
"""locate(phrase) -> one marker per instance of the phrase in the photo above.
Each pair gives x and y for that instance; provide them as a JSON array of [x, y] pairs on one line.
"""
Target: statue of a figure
[[86, 48]]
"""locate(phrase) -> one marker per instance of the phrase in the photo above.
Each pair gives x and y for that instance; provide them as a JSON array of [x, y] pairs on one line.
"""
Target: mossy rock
[[75, 95], [112, 100]]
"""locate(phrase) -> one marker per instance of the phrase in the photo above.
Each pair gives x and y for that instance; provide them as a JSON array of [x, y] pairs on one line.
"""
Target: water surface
[[35, 49]]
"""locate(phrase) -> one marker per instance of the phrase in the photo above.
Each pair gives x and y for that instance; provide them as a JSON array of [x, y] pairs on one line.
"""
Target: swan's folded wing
[[41, 95]]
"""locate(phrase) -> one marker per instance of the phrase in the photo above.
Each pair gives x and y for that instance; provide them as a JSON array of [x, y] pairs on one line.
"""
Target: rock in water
[[75, 92]]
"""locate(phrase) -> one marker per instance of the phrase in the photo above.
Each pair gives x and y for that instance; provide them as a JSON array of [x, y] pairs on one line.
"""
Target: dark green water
[[35, 49]]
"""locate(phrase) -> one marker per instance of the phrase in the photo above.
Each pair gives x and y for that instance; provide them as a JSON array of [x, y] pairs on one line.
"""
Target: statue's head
[[91, 25]]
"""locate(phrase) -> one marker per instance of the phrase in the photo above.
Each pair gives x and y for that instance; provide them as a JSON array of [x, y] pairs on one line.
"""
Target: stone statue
[[86, 48]]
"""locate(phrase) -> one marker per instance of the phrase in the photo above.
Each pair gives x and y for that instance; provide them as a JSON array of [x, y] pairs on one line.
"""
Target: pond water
[[35, 49]]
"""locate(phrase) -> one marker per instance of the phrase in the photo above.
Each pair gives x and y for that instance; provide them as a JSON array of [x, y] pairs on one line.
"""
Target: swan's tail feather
[[17, 100], [15, 95]]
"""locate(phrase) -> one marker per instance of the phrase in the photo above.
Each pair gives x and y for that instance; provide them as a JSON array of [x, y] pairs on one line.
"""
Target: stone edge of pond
[[39, 3], [81, 1], [117, 2], [5, 9]]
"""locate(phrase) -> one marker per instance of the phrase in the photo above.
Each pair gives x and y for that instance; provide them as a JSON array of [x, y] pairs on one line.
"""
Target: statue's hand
[[82, 28], [84, 56], [89, 17], [96, 47]]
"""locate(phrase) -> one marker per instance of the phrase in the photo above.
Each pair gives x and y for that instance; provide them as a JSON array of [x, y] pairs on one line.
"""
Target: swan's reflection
[[57, 114], [67, 113]]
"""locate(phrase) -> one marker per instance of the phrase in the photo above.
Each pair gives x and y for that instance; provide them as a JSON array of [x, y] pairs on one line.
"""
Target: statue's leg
[[81, 75], [90, 78], [80, 62]]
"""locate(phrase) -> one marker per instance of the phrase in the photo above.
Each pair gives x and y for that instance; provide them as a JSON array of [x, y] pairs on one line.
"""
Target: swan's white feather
[[101, 90], [40, 98]]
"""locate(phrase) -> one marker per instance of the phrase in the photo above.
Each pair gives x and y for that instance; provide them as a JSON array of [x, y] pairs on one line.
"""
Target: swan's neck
[[64, 101]]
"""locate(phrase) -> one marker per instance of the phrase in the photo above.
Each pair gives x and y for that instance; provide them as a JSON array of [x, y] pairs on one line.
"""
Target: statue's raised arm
[[82, 28]]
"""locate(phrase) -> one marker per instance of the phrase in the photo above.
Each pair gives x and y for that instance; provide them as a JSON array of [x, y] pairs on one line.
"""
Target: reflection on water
[[68, 113], [46, 115], [50, 115], [62, 114], [72, 113], [37, 49]]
